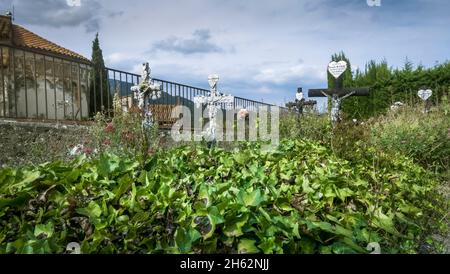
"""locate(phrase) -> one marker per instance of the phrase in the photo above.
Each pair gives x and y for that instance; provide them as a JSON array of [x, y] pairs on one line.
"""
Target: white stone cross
[[213, 100], [145, 91]]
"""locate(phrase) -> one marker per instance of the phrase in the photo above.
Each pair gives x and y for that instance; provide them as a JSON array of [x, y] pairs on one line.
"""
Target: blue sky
[[262, 49]]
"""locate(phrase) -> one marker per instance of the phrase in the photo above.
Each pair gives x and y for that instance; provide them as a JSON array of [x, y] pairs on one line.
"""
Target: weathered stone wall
[[25, 143]]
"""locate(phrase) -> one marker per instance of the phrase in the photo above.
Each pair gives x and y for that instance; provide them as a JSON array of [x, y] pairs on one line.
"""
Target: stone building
[[40, 79]]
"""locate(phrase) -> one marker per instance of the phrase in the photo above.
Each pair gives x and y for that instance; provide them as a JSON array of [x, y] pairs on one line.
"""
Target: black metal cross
[[300, 102], [337, 94]]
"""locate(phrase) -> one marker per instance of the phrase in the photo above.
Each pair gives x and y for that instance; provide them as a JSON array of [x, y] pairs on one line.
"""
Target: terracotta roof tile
[[27, 39]]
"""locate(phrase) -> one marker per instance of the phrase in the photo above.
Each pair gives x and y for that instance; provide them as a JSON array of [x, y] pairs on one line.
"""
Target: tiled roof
[[27, 39], [20, 37]]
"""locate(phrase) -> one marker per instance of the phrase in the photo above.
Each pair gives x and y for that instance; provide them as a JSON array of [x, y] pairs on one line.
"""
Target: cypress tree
[[99, 97]]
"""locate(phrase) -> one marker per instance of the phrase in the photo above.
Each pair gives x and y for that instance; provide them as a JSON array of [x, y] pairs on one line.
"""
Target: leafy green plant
[[299, 198], [309, 126], [124, 134], [389, 85], [423, 137]]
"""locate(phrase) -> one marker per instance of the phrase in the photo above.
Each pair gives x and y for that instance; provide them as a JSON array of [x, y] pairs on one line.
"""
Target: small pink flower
[[109, 128], [127, 136], [243, 113], [107, 142], [88, 151]]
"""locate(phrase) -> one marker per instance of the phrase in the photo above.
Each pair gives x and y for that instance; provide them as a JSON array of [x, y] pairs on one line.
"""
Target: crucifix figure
[[213, 102], [338, 93], [145, 91]]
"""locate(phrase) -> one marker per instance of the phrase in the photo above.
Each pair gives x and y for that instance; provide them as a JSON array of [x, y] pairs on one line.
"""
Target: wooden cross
[[338, 93], [300, 102]]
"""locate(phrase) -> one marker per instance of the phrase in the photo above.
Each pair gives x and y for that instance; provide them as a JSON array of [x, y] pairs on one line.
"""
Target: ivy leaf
[[305, 184], [385, 222], [247, 246], [254, 198], [92, 211], [233, 226], [19, 200], [107, 164], [185, 238], [240, 158], [26, 177], [43, 231]]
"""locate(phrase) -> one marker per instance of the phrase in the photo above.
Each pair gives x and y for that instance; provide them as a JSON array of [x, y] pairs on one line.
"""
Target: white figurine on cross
[[214, 101], [145, 91]]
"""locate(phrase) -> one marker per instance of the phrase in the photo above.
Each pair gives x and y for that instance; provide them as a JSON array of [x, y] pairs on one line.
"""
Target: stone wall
[[25, 143]]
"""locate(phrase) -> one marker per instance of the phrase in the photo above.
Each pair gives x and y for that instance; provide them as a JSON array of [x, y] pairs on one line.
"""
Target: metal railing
[[36, 86], [172, 93]]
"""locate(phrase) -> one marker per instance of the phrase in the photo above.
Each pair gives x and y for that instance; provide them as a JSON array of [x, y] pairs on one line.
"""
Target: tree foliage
[[100, 99], [389, 85]]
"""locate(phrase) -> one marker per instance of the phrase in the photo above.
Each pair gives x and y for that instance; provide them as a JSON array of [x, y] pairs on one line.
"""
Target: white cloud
[[200, 42], [283, 74], [73, 3], [56, 13], [118, 57], [277, 45]]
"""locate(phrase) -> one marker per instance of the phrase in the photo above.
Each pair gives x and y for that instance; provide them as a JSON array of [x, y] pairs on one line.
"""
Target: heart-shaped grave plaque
[[337, 68], [425, 94]]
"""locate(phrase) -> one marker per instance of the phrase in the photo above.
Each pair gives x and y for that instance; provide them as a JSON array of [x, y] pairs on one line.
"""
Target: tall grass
[[424, 137]]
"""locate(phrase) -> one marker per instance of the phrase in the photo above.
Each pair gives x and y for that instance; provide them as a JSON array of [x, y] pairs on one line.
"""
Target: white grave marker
[[213, 100], [299, 96], [337, 68], [425, 94], [145, 91]]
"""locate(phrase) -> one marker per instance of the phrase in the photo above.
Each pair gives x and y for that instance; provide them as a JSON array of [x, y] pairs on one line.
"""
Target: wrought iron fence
[[38, 86]]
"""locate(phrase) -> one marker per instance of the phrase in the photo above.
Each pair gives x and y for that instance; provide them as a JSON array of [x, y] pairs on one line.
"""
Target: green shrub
[[299, 198], [351, 140], [309, 126], [124, 134], [423, 137]]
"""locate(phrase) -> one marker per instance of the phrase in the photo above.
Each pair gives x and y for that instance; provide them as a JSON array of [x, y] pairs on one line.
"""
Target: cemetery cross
[[300, 102], [338, 93], [213, 101], [145, 91]]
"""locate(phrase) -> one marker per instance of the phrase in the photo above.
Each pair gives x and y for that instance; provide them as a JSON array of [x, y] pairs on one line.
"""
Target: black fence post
[[63, 88], [3, 83], [54, 86], [101, 90], [35, 85], [79, 92]]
